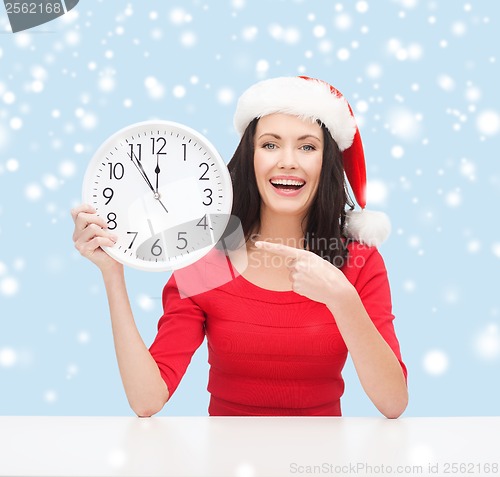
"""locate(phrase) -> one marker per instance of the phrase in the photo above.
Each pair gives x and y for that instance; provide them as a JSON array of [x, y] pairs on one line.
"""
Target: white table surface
[[248, 446]]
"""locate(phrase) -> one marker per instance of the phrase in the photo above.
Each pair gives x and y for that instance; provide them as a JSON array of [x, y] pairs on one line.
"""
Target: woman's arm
[[377, 366], [146, 391], [378, 369]]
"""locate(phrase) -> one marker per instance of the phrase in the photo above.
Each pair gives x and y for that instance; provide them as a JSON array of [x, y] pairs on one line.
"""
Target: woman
[[311, 288]]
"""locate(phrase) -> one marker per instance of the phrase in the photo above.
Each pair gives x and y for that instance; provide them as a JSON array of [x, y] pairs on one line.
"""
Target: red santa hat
[[309, 98]]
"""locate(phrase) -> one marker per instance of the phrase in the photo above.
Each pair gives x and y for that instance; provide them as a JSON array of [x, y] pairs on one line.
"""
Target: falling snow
[[9, 286], [225, 96], [487, 343], [488, 122], [376, 192], [289, 35], [145, 302], [8, 357], [154, 88], [436, 362], [404, 123]]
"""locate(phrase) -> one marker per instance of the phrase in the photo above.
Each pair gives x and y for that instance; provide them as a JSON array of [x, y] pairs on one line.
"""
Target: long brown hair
[[325, 220]]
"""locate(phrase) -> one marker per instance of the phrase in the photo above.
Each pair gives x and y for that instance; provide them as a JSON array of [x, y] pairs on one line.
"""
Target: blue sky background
[[422, 78]]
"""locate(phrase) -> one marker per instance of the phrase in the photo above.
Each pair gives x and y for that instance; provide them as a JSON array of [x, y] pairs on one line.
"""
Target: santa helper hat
[[317, 100]]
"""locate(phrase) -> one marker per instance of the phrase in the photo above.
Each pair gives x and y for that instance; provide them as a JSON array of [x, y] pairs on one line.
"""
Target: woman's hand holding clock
[[90, 234]]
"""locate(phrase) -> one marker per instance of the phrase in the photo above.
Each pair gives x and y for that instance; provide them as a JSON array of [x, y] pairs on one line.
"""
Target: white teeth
[[287, 182]]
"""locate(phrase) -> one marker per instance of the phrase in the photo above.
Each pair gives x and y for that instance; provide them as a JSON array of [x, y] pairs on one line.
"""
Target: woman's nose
[[287, 159]]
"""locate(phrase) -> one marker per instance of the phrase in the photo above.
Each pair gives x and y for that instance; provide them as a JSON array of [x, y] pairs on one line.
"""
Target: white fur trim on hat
[[367, 226], [305, 98]]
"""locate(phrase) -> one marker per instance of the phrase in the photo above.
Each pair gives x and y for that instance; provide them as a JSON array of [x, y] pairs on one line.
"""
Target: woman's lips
[[287, 186]]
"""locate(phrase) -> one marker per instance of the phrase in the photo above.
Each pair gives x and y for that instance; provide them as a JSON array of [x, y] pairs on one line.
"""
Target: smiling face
[[287, 162]]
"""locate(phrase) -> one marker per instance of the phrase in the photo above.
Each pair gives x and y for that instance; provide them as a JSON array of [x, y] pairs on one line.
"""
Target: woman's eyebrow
[[301, 138], [270, 134]]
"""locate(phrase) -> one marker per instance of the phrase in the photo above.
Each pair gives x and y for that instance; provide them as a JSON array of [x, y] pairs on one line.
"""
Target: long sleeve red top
[[273, 353]]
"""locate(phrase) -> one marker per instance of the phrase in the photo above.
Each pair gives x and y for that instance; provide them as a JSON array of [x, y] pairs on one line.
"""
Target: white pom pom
[[367, 226]]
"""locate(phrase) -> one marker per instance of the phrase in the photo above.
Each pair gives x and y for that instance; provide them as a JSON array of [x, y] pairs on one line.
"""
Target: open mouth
[[287, 184]]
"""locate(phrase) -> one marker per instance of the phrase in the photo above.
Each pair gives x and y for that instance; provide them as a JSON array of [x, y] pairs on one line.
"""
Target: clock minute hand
[[161, 203], [138, 164]]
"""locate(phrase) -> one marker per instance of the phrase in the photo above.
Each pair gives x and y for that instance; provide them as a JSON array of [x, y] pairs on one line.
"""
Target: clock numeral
[[154, 141], [112, 221], [133, 240], [116, 171], [208, 197], [181, 239], [108, 194], [203, 178], [133, 155], [203, 222], [156, 250], [184, 150]]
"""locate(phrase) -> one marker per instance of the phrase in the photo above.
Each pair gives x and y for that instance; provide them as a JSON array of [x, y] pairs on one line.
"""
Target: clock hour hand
[[157, 172]]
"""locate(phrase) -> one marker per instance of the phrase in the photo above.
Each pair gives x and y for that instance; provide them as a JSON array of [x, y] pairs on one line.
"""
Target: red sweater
[[271, 353]]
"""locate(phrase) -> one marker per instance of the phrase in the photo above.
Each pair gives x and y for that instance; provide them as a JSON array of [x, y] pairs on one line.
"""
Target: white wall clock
[[164, 190]]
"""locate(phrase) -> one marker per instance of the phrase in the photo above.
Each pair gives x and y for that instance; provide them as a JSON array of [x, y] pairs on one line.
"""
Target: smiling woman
[[279, 331]]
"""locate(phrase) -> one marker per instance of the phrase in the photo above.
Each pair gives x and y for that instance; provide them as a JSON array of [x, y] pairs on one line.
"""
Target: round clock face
[[164, 190]]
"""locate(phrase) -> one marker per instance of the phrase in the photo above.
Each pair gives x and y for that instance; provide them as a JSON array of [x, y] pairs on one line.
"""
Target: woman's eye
[[269, 145], [308, 147]]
